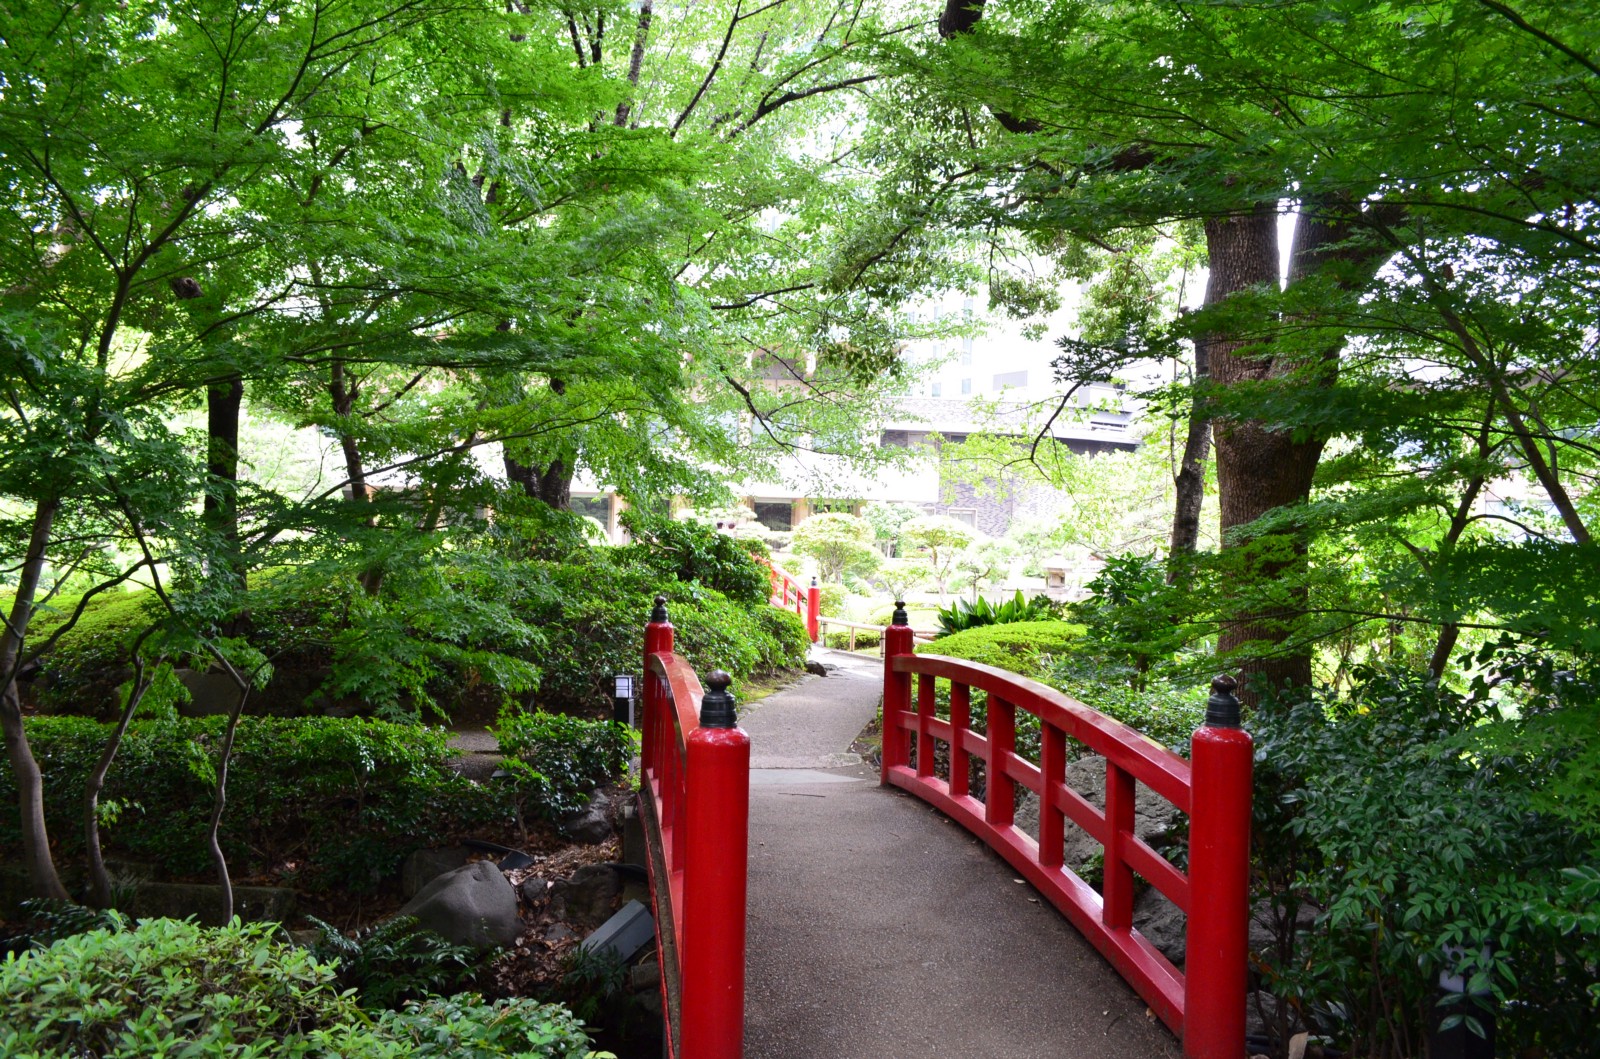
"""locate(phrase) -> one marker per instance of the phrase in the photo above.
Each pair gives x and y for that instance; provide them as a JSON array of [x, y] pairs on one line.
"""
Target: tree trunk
[[99, 878], [1258, 469], [1190, 481], [42, 875], [551, 484]]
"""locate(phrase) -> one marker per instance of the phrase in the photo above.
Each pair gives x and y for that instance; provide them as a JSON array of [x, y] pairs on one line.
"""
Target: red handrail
[[788, 594], [695, 800], [1205, 1003]]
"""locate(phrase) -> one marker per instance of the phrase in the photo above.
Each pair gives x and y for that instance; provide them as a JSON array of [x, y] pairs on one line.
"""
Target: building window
[[936, 390], [966, 352], [1013, 379], [968, 515], [775, 514], [966, 385]]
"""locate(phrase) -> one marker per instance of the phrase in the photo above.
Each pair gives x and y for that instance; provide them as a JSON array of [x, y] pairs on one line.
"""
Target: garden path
[[880, 930]]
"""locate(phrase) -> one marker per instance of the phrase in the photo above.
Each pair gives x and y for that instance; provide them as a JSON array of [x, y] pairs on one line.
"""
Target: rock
[[645, 977], [559, 932], [1154, 816], [815, 668], [473, 905], [535, 890], [426, 865], [1162, 923], [591, 825], [305, 939], [588, 898]]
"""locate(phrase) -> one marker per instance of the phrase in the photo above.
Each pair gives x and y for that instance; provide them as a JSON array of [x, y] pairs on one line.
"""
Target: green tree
[[840, 544], [941, 539]]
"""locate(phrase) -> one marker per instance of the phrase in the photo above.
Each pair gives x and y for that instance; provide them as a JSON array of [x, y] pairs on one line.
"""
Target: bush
[[840, 639], [1017, 647], [690, 551], [395, 961], [592, 616], [559, 759], [841, 544], [173, 988], [1419, 855], [961, 615], [346, 800]]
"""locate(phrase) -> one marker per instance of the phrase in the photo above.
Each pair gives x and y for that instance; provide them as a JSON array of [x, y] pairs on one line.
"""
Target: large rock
[[1162, 923], [1153, 822], [592, 824], [473, 905], [426, 865], [588, 898]]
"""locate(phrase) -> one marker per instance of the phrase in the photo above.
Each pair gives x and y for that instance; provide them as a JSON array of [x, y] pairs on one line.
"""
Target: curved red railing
[[695, 802], [1205, 1003], [789, 594]]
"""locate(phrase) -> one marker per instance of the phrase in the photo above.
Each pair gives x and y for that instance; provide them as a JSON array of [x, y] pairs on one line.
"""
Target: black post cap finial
[[1222, 708], [900, 616], [716, 705], [813, 581], [659, 615]]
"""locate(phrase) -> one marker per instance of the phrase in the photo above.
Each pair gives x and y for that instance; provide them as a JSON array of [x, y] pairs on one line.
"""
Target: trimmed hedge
[[1016, 647], [166, 987], [344, 800]]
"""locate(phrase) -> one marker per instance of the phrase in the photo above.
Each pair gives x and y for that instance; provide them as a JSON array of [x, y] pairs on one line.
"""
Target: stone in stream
[[591, 824]]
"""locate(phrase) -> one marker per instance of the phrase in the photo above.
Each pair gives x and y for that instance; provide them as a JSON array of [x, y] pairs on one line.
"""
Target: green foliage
[[1420, 858], [963, 615], [167, 987], [888, 520], [556, 760], [1019, 647], [339, 802], [46, 921], [393, 962], [840, 639], [1130, 615], [941, 540], [841, 545], [1167, 712], [590, 613], [692, 551]]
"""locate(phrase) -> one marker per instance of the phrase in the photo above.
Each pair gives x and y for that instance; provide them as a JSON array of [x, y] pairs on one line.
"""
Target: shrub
[[690, 551], [344, 799], [841, 544], [962, 615], [558, 759], [1420, 856], [395, 961], [167, 987], [1017, 647], [592, 614]]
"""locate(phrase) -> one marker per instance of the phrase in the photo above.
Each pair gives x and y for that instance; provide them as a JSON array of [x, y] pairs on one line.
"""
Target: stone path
[[880, 930]]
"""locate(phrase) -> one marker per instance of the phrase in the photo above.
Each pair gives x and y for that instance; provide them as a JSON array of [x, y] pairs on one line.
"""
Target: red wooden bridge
[[695, 801]]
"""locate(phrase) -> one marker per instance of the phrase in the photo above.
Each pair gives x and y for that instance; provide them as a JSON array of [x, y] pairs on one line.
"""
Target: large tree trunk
[[42, 875], [551, 483], [223, 403], [1258, 469]]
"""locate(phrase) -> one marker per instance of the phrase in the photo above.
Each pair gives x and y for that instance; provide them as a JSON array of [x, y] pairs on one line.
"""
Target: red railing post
[[718, 825], [1221, 759], [658, 639], [896, 691], [813, 609]]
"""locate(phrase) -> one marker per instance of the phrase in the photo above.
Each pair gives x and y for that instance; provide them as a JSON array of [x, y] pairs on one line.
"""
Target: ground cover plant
[[167, 987]]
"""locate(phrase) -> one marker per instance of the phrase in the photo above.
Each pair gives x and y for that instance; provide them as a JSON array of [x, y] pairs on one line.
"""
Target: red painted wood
[[960, 718], [1116, 889], [1219, 893], [698, 781], [1206, 1007], [925, 708]]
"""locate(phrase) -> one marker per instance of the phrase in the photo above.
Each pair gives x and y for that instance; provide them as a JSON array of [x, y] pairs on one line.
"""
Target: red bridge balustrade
[[1205, 1003], [695, 805], [787, 594]]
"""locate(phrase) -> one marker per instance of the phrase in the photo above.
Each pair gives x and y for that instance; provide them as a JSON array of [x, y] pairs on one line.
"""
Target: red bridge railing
[[788, 594], [695, 804], [1205, 1003]]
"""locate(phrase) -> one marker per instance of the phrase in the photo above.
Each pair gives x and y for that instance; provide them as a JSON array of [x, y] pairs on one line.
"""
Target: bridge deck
[[878, 930]]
